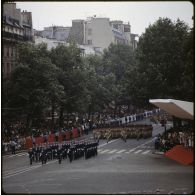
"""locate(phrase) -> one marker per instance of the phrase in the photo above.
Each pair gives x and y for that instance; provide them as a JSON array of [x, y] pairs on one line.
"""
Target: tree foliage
[[33, 84], [64, 81], [161, 60]]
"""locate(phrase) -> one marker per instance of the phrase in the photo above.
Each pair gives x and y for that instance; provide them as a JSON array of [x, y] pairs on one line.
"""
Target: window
[[89, 42], [4, 51], [8, 68], [7, 51], [89, 31], [4, 68], [12, 51], [115, 26]]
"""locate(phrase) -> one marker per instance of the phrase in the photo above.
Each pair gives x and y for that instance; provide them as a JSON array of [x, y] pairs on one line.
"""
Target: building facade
[[53, 43], [16, 27], [77, 32], [59, 33], [94, 32], [99, 33]]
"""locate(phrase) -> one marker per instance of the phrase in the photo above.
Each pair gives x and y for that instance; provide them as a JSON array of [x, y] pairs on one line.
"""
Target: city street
[[120, 167]]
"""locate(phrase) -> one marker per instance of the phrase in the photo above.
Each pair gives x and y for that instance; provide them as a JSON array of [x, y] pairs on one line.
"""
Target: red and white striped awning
[[177, 108]]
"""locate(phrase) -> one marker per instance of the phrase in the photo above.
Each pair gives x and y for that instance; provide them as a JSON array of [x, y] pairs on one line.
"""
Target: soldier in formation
[[124, 135], [108, 135], [133, 131], [72, 151], [97, 136]]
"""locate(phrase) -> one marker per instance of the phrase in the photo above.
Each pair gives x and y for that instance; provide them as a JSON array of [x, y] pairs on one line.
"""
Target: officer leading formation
[[56, 151]]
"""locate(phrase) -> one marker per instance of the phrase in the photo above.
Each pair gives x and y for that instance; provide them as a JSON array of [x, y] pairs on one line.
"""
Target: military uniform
[[124, 135], [30, 152], [108, 135]]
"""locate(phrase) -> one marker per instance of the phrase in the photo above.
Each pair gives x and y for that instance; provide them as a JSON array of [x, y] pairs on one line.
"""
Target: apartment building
[[59, 33], [16, 27], [53, 43], [99, 33]]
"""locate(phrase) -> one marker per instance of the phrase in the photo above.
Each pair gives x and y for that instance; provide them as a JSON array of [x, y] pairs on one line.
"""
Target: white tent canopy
[[178, 108]]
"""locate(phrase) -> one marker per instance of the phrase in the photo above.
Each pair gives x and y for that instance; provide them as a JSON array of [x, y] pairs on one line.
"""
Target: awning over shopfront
[[177, 108]]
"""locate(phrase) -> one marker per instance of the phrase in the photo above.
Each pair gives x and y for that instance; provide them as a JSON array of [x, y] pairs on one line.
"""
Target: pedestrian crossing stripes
[[146, 152], [104, 151], [112, 151], [120, 151], [131, 150], [138, 151], [123, 151]]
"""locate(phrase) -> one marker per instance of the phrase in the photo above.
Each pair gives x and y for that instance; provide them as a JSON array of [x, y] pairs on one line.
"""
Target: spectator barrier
[[75, 133]]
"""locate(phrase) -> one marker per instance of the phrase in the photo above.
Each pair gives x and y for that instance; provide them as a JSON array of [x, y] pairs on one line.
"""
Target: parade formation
[[67, 150], [124, 132]]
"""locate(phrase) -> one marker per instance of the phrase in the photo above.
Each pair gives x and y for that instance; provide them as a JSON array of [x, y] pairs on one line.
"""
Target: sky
[[139, 14]]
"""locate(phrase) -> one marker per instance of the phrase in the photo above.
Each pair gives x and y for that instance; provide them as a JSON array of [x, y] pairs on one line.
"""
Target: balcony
[[16, 37]]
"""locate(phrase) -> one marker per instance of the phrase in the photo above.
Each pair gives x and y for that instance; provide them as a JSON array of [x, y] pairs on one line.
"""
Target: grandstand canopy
[[177, 108]]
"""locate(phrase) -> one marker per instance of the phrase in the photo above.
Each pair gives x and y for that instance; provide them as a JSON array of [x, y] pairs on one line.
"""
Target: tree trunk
[[89, 112], [67, 122], [61, 117], [52, 113], [28, 122]]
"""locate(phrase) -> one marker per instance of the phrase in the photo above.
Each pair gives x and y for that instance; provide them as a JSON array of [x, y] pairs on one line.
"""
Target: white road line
[[25, 170], [104, 151], [15, 155], [138, 151], [108, 142], [112, 151], [16, 170], [146, 152], [99, 150], [21, 170], [120, 151], [132, 150], [143, 144]]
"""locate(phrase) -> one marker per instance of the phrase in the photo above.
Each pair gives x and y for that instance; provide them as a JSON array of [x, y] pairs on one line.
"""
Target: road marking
[[108, 142], [146, 152], [99, 150], [14, 170], [120, 151], [112, 151], [15, 155], [138, 151], [25, 170], [132, 150], [104, 151]]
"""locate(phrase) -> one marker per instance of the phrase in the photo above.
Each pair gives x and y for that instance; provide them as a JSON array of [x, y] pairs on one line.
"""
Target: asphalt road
[[120, 167]]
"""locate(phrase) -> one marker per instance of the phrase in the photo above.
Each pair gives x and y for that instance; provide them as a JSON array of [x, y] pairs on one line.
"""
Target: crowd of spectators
[[14, 135], [183, 135]]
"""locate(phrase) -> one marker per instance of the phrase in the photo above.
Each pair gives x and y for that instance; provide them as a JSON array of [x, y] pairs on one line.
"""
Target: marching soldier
[[31, 154], [59, 155], [108, 135], [43, 156], [97, 135], [70, 154], [138, 134], [124, 135]]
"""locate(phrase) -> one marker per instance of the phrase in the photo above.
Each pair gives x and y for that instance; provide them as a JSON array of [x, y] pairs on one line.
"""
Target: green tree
[[161, 60], [71, 76], [188, 73], [34, 85], [117, 59]]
